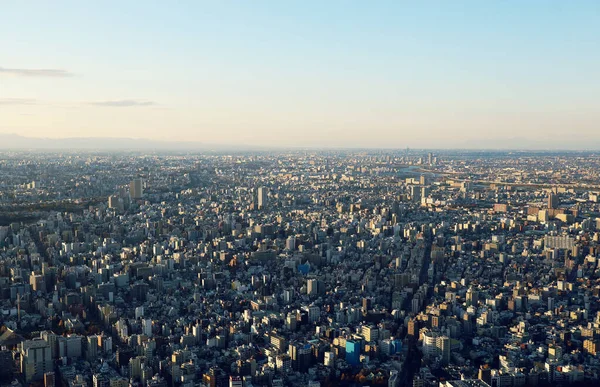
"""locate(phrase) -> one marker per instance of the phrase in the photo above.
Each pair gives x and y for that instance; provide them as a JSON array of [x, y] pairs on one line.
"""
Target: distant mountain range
[[18, 142]]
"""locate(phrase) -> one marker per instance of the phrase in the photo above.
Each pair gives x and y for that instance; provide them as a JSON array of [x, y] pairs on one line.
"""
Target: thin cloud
[[53, 73], [17, 101], [124, 103]]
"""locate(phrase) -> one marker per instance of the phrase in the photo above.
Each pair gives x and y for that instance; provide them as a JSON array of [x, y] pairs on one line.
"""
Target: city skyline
[[307, 268], [335, 75]]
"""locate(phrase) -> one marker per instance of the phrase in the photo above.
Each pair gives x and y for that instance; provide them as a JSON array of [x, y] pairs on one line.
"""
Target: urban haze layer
[[300, 268]]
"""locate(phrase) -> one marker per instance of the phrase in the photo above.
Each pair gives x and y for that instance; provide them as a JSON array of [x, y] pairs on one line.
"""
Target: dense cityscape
[[300, 268]]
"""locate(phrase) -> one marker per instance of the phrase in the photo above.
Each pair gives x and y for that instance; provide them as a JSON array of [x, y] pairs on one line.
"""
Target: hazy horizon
[[17, 142], [429, 75]]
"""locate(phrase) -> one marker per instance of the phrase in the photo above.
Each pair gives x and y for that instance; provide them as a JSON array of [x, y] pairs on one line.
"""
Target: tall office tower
[[353, 352], [485, 374], [430, 158], [551, 304], [301, 356], [36, 359], [6, 365], [147, 327], [329, 359], [312, 287], [424, 195], [415, 193], [290, 243], [413, 328], [261, 197], [472, 297], [135, 366], [552, 200], [443, 346], [52, 340], [136, 188], [36, 281], [114, 201], [92, 347]]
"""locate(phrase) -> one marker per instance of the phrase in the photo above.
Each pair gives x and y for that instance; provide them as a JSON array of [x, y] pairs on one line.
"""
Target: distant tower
[[553, 201], [312, 287], [261, 197], [136, 188]]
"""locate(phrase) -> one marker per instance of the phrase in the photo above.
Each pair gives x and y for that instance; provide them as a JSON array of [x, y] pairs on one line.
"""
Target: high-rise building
[[564, 242], [101, 380], [485, 374], [435, 345], [367, 303], [92, 347], [36, 359], [472, 297], [290, 243], [394, 380], [135, 367], [235, 381], [591, 346], [301, 356], [37, 282], [553, 201], [314, 314], [70, 346], [278, 342], [415, 193], [114, 201], [430, 349], [413, 328], [261, 197], [443, 345], [215, 377], [119, 382], [312, 287], [52, 339], [6, 365], [353, 352], [136, 188], [147, 327], [49, 379], [370, 333], [124, 354]]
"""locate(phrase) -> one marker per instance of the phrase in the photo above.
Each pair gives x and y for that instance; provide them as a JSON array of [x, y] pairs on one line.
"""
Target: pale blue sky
[[325, 73]]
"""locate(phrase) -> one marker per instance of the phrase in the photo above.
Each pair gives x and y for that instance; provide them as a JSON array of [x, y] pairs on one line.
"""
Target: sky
[[330, 73]]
